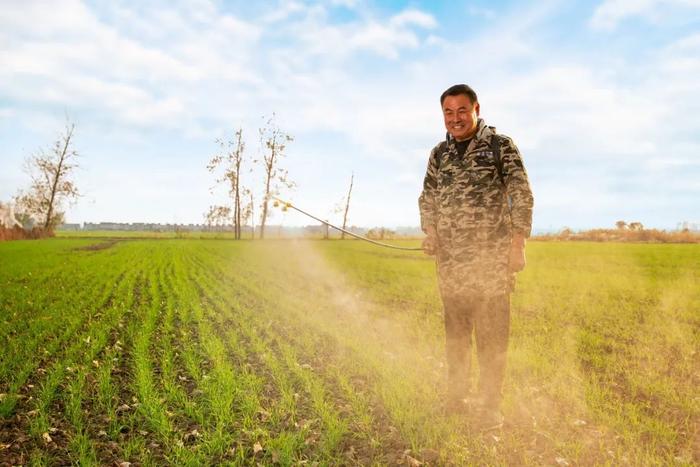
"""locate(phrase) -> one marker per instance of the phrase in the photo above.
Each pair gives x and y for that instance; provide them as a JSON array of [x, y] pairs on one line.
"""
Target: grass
[[203, 351]]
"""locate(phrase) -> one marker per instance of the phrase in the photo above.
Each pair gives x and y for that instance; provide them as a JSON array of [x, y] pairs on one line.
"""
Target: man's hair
[[459, 89]]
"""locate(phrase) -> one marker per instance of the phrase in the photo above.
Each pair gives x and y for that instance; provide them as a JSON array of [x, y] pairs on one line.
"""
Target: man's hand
[[430, 243], [517, 253]]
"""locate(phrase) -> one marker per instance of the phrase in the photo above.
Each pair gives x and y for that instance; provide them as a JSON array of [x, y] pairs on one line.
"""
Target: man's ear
[[477, 107]]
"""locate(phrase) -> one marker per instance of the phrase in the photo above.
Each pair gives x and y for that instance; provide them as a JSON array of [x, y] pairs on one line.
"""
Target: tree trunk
[[238, 212], [252, 216], [347, 207], [238, 218], [56, 177], [237, 203], [268, 178]]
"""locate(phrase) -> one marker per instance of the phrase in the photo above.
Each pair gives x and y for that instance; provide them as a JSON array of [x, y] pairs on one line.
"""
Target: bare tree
[[249, 211], [273, 141], [621, 225], [231, 158], [52, 185], [347, 207]]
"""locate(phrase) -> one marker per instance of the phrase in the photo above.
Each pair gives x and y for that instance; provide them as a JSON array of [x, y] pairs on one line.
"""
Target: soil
[[99, 246]]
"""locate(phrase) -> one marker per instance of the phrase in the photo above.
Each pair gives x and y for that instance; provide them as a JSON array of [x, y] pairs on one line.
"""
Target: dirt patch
[[99, 246], [13, 435]]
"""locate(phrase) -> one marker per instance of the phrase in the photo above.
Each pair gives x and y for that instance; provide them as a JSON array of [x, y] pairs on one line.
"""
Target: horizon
[[68, 226], [600, 99]]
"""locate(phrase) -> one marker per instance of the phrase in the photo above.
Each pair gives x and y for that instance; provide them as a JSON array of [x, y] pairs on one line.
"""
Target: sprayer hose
[[359, 237]]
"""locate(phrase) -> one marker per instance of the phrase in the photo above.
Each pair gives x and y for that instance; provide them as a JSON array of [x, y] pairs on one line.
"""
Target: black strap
[[496, 151]]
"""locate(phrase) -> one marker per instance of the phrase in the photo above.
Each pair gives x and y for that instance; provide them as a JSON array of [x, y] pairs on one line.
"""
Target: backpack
[[495, 146]]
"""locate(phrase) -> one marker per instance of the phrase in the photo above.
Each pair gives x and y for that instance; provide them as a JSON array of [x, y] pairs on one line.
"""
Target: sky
[[602, 99]]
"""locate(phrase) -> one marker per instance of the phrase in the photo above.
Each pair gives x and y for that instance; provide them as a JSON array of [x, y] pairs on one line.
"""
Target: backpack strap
[[496, 151], [441, 149]]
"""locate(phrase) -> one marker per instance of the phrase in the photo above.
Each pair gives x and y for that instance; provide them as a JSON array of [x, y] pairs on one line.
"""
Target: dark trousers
[[489, 320]]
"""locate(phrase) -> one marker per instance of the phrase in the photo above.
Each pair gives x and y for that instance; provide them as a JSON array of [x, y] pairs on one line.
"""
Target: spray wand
[[286, 205]]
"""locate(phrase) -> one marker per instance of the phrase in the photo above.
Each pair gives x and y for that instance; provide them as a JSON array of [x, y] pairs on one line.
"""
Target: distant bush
[[381, 233], [17, 233], [624, 235]]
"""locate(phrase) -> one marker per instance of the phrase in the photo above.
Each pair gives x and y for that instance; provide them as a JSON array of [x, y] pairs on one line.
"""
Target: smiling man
[[476, 212]]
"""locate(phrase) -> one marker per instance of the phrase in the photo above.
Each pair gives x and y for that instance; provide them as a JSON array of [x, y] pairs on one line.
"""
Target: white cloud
[[336, 42], [611, 12], [381, 40], [282, 12], [413, 17], [147, 66], [74, 58], [35, 18], [689, 44], [597, 119]]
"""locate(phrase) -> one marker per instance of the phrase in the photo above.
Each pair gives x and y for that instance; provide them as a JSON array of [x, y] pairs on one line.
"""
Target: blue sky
[[603, 99]]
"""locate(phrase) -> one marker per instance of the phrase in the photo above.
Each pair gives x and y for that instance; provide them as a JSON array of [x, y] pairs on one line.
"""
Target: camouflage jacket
[[475, 213]]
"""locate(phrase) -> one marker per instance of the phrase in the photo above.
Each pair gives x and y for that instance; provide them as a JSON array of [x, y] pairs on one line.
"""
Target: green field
[[205, 352]]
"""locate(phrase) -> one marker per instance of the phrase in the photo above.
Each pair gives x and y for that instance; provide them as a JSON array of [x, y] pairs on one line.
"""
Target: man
[[476, 212]]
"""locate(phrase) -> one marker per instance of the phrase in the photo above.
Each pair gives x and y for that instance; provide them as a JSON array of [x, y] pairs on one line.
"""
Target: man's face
[[460, 116]]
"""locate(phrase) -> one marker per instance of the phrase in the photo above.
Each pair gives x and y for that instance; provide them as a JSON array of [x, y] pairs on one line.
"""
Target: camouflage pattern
[[475, 214], [489, 319]]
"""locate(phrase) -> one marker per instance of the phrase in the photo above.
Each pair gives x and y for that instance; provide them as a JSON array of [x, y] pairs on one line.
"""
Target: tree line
[[41, 206]]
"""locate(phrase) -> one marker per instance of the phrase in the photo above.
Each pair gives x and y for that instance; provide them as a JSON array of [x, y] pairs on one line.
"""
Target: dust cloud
[[358, 321], [593, 335]]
